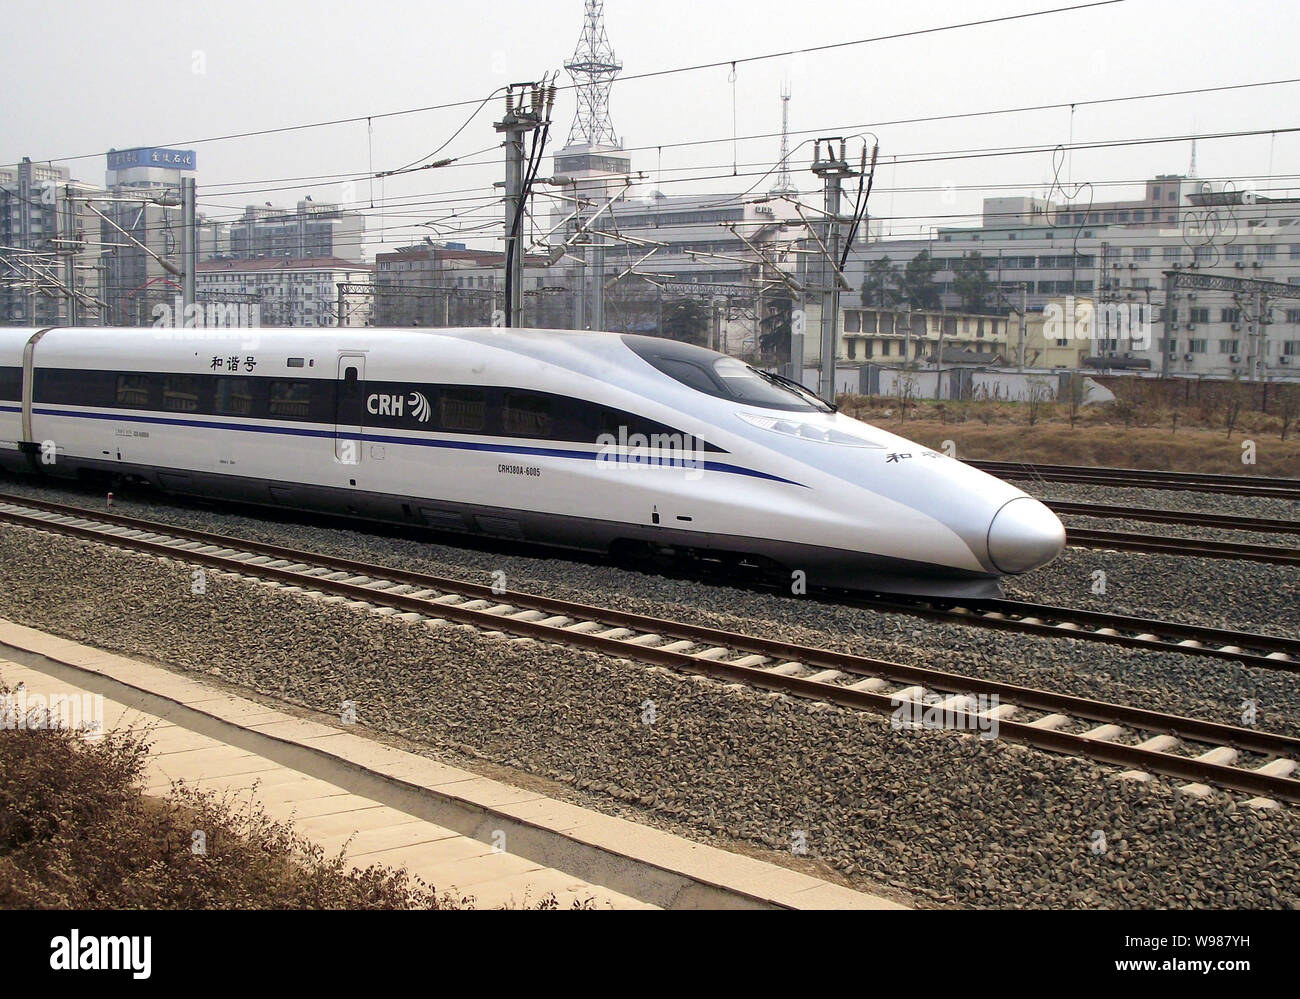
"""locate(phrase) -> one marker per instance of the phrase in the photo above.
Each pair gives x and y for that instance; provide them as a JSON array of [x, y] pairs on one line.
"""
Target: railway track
[[1155, 544], [1137, 478], [1207, 754], [1213, 521], [1250, 649]]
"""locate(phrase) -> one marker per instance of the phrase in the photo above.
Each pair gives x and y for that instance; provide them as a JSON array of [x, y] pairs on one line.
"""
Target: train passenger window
[[11, 383], [181, 393], [234, 396], [527, 415], [462, 409], [133, 390], [290, 399], [612, 421], [351, 383]]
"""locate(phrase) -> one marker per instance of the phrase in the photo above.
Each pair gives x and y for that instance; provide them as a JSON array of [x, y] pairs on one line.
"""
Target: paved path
[[452, 828]]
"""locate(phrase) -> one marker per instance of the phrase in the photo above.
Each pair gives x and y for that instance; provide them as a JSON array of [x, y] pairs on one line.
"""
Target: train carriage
[[594, 441]]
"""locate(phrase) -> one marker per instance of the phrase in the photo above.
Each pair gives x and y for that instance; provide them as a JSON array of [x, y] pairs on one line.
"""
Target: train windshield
[[725, 377], [759, 388]]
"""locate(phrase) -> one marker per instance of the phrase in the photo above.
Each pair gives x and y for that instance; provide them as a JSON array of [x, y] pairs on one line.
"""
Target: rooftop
[[286, 264]]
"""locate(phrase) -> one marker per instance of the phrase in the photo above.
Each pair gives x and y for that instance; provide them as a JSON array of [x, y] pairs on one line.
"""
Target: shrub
[[77, 832]]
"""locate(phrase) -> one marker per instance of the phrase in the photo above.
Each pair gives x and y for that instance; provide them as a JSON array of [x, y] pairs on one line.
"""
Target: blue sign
[[152, 156]]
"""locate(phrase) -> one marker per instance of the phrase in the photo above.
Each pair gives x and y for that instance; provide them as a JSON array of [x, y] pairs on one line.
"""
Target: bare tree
[[1288, 406], [906, 389], [1233, 411], [1037, 394], [1079, 392]]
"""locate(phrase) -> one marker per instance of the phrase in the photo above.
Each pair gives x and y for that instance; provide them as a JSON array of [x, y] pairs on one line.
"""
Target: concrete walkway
[[329, 815], [450, 827]]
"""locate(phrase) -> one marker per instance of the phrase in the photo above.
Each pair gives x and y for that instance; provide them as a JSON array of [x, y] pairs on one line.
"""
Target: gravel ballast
[[950, 818], [1263, 598]]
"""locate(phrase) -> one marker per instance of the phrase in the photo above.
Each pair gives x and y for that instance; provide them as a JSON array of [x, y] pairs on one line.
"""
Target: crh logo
[[419, 407], [381, 404]]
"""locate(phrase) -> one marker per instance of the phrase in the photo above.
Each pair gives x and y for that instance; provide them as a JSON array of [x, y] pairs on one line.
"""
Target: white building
[[311, 229], [288, 292], [50, 263], [1124, 264]]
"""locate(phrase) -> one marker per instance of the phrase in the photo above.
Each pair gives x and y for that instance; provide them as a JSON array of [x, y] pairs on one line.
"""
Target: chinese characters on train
[[896, 458], [234, 363]]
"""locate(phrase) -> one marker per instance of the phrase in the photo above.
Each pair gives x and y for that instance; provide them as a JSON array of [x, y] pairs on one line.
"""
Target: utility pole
[[598, 283], [832, 170], [907, 335], [580, 306], [938, 358], [1171, 303], [69, 250], [517, 123], [25, 231], [189, 249], [1257, 337], [1024, 305]]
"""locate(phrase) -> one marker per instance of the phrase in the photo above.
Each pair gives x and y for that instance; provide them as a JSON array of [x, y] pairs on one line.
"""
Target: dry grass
[[77, 832], [1138, 447], [1132, 432]]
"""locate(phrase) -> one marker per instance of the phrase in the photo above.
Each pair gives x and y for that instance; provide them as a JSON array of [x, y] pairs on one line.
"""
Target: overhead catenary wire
[[624, 79]]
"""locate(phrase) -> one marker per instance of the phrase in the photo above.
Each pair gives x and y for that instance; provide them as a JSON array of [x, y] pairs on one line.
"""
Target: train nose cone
[[1024, 535]]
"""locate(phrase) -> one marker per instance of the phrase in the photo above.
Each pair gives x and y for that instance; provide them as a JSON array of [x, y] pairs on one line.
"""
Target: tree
[[686, 319], [971, 282], [917, 283], [631, 307], [1289, 408], [880, 284]]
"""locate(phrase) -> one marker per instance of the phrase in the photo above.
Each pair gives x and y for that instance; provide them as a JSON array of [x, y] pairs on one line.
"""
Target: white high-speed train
[[593, 441]]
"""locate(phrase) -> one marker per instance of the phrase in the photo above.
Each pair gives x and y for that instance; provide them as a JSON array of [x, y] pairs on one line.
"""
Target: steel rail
[[1142, 720], [1214, 521], [1156, 544], [1010, 615], [1269, 651], [1137, 478]]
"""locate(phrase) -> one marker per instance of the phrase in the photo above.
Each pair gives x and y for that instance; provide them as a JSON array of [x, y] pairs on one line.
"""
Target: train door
[[349, 413]]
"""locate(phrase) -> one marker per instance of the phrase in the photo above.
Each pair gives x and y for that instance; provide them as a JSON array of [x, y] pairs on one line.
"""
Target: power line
[[651, 74]]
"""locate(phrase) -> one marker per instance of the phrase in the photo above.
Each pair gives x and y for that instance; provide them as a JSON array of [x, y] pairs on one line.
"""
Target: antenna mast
[[784, 182]]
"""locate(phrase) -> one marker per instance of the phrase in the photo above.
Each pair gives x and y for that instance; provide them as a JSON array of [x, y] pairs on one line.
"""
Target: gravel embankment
[[950, 818], [1223, 593], [1264, 598]]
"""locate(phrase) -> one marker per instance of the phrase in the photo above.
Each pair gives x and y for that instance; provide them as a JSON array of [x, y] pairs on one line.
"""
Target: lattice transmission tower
[[593, 69], [784, 182]]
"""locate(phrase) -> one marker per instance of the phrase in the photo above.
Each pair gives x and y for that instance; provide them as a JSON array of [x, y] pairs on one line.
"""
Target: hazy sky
[[79, 78]]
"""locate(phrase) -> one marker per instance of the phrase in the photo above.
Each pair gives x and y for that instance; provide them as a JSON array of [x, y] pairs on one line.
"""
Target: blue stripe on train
[[462, 445]]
